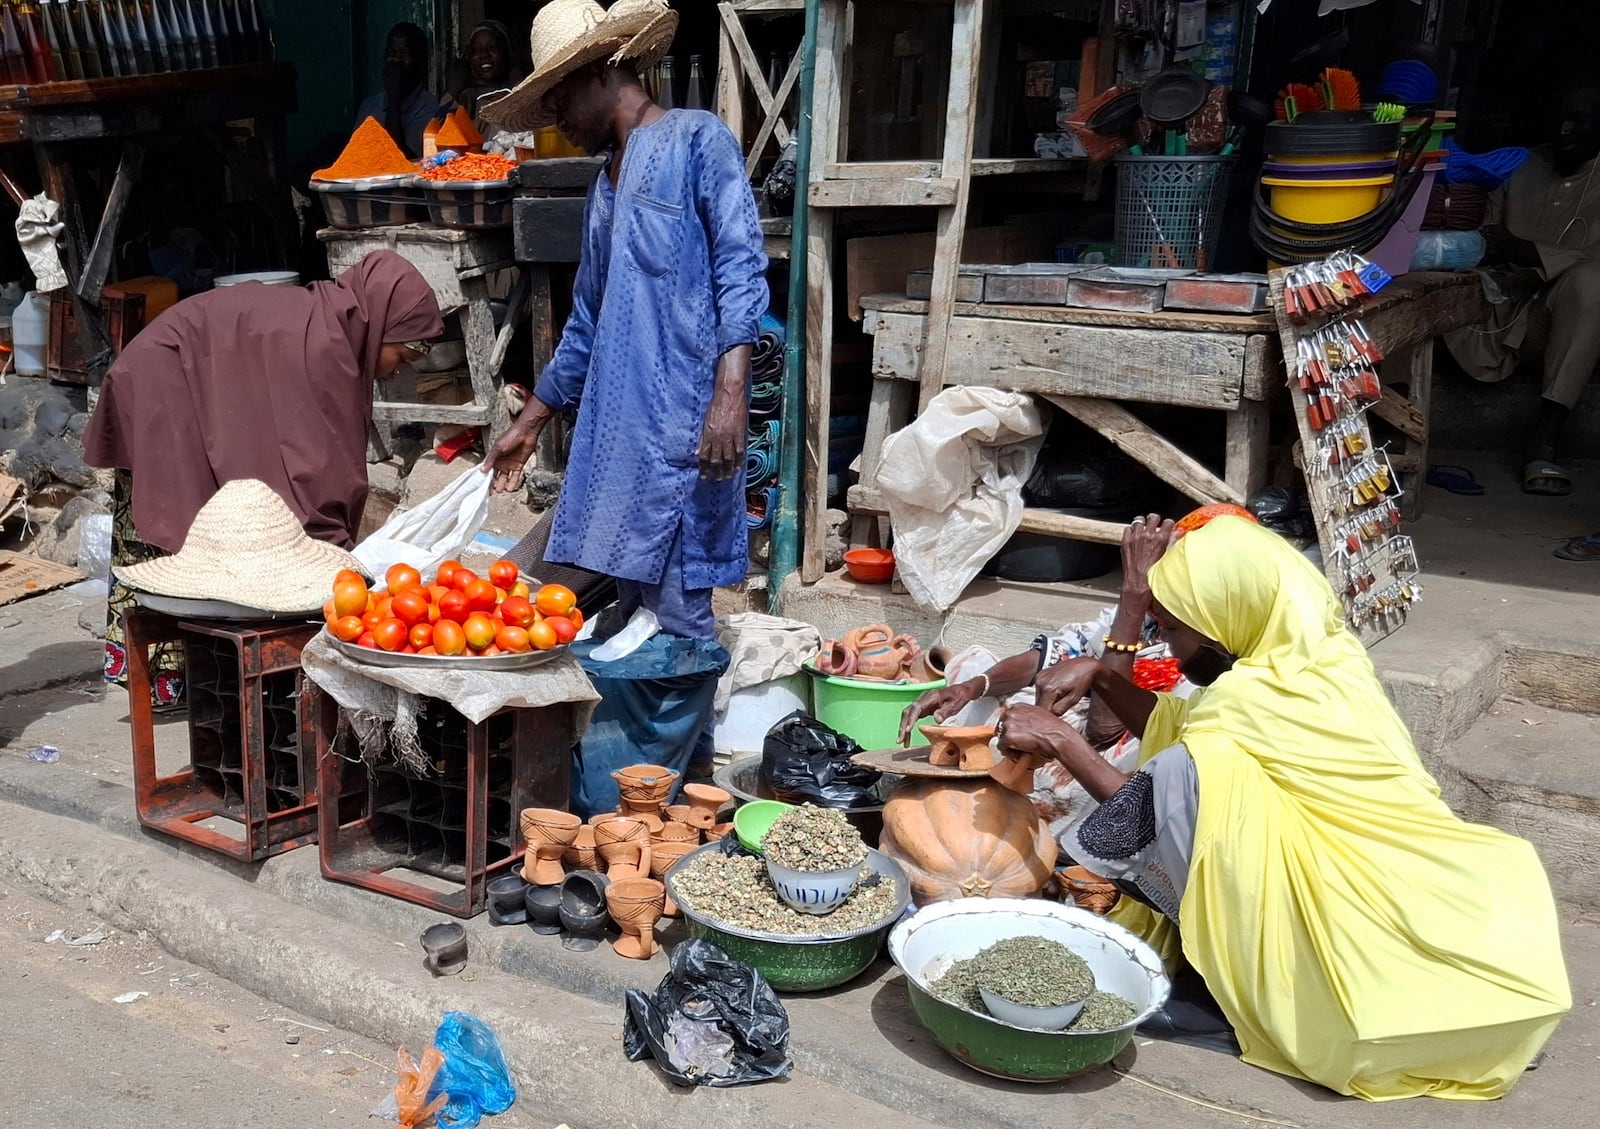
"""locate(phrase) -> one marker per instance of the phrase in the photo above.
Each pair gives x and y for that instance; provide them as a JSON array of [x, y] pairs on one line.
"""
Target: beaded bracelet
[[1125, 648]]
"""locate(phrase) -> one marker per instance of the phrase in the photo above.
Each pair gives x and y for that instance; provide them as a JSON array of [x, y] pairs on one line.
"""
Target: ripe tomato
[[521, 589], [446, 571], [563, 628], [433, 613], [426, 651], [347, 629], [390, 635], [349, 597], [382, 606], [542, 636], [489, 652], [480, 630], [555, 599], [420, 635], [409, 607], [480, 595], [437, 592], [346, 574], [367, 640], [512, 639], [461, 577], [371, 618], [576, 616], [454, 606], [448, 637], [503, 574], [401, 576], [517, 612], [329, 615]]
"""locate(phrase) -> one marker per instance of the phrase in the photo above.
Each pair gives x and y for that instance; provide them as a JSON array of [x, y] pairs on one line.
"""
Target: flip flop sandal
[[1580, 549], [1455, 479], [1545, 478]]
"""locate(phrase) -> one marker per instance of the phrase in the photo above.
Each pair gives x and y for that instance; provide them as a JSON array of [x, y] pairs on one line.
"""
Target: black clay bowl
[[543, 904]]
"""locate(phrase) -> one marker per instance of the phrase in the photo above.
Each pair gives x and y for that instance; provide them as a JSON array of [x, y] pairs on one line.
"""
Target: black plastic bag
[[1284, 511], [711, 1022], [803, 761]]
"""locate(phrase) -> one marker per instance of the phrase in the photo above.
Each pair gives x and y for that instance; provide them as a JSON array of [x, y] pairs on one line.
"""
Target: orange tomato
[[520, 589], [421, 635], [367, 640], [409, 607], [563, 628], [503, 574], [349, 597], [446, 571], [461, 577], [480, 630], [489, 652], [383, 605], [500, 594], [517, 612], [345, 574], [433, 613], [347, 629], [448, 637], [390, 635], [512, 639], [401, 576], [480, 595], [330, 615], [371, 618], [454, 606], [576, 616], [555, 599], [542, 636], [426, 651], [437, 592]]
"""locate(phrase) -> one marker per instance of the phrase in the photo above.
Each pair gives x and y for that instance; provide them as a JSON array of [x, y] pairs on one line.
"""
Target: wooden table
[[1084, 361]]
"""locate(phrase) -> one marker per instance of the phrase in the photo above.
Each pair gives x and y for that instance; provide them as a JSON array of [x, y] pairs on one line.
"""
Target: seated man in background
[[404, 106]]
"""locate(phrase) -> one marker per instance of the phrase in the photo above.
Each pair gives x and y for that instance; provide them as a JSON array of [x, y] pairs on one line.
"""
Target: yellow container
[[1332, 158], [1326, 201], [550, 142]]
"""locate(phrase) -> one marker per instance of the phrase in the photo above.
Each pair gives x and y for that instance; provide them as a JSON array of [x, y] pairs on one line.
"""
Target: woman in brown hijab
[[265, 382]]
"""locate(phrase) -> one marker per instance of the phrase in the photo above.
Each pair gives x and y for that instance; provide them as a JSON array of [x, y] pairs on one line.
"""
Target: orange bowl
[[870, 566]]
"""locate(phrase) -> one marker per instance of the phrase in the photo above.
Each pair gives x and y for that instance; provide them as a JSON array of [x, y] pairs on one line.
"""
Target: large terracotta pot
[[965, 839]]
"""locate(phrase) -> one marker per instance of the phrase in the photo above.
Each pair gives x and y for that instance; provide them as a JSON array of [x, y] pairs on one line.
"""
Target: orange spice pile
[[370, 152], [458, 132], [472, 166]]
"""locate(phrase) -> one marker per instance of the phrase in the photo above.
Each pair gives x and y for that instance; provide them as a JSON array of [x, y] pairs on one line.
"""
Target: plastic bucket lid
[[1311, 140]]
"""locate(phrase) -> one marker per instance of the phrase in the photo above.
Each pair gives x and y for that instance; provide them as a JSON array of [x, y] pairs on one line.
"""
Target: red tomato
[[555, 599], [367, 640], [576, 616], [512, 639], [409, 607], [563, 628], [454, 606], [347, 574], [349, 597], [480, 595], [517, 612], [371, 618], [446, 571], [461, 577], [421, 635], [437, 592], [489, 652], [426, 651], [330, 614], [448, 637], [480, 630], [503, 574], [348, 629], [401, 576], [390, 635]]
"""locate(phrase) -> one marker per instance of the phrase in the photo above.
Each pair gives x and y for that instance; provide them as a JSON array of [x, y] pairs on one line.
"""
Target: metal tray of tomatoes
[[371, 656]]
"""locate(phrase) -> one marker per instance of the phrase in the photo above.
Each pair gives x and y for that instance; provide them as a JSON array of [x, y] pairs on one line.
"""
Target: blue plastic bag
[[474, 1074], [654, 705]]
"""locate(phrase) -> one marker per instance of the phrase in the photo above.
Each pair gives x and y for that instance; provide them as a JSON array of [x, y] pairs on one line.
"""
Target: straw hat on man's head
[[568, 35], [245, 547]]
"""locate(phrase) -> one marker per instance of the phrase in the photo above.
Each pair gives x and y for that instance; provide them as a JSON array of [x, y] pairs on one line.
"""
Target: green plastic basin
[[867, 712], [752, 821]]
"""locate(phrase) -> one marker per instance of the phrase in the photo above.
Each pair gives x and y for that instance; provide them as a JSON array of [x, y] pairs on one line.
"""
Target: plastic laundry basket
[[1169, 210]]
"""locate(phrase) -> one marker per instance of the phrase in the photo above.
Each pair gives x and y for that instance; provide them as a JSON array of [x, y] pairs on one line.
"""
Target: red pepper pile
[[1158, 675]]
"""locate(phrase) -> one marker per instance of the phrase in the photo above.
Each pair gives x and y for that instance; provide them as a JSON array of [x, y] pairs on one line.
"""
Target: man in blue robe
[[665, 311]]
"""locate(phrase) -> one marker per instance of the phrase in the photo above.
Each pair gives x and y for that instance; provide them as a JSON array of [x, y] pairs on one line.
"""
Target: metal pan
[[394, 659]]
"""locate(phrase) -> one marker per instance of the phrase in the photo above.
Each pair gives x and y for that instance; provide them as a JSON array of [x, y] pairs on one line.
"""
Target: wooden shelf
[[981, 166]]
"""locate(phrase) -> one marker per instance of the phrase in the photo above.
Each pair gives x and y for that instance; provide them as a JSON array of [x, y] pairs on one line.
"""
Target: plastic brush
[[1297, 98], [1385, 112], [1340, 90]]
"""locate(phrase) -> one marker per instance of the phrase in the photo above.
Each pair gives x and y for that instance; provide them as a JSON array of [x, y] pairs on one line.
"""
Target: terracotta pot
[[1087, 890], [963, 746], [624, 844], [715, 834], [605, 816], [662, 858], [837, 659], [929, 666], [704, 803], [548, 832], [644, 785], [675, 833], [648, 814], [581, 855], [636, 905], [679, 813], [877, 653], [1015, 773]]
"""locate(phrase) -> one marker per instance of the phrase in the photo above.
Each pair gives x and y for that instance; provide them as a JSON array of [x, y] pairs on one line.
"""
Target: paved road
[[198, 1052]]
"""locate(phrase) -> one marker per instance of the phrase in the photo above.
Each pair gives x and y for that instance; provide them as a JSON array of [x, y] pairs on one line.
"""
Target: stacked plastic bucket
[[1329, 171]]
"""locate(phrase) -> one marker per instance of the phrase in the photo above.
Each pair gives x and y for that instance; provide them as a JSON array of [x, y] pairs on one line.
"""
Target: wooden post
[[730, 91]]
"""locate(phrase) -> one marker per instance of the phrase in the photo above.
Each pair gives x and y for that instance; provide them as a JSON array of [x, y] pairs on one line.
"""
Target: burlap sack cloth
[[380, 703]]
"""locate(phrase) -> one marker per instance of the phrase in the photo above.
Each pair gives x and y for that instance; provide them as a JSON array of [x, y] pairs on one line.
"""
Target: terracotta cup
[[548, 832], [680, 813], [966, 746], [704, 803], [715, 834], [636, 905], [675, 833], [582, 855], [644, 785], [624, 844], [647, 814], [1087, 890], [663, 856]]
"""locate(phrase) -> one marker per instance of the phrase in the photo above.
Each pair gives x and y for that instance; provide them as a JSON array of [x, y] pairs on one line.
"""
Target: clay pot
[[544, 909], [1087, 890], [624, 844], [505, 899], [644, 786], [649, 815], [582, 910], [929, 666], [581, 855], [963, 746], [704, 803], [445, 948], [636, 905], [675, 833], [549, 832], [715, 834], [680, 813], [838, 659], [878, 654], [662, 859], [1015, 773]]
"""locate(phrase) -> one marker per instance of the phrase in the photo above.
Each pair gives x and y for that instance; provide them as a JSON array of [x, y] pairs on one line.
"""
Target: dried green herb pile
[[814, 840], [735, 891], [1037, 972]]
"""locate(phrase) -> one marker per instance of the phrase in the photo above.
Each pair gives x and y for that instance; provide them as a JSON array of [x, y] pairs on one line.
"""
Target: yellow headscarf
[[1354, 930]]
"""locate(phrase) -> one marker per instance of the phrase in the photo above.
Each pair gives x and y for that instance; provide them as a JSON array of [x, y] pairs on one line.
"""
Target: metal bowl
[[371, 657], [799, 964], [924, 945], [185, 608]]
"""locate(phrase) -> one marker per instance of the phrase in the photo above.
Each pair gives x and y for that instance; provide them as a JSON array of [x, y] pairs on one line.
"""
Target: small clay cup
[[675, 833], [1087, 890], [648, 814], [582, 910], [663, 857], [681, 814], [506, 906], [445, 948], [1015, 772], [636, 905], [544, 909], [705, 801], [624, 844], [582, 854], [640, 785], [963, 746], [548, 832], [715, 834]]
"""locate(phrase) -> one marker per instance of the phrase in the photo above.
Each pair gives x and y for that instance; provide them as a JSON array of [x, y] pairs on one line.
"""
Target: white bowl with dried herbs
[[1033, 982], [813, 858]]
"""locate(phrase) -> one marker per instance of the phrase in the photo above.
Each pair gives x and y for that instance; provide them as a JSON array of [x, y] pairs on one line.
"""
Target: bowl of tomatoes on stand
[[493, 622]]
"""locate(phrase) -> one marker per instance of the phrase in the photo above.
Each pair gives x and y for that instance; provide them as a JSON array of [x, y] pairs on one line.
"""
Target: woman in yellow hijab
[[1355, 932]]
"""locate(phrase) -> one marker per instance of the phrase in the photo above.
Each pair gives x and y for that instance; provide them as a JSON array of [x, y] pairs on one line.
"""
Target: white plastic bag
[[433, 531]]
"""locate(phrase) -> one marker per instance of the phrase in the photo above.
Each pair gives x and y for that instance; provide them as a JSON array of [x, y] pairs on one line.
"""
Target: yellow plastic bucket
[[1326, 201], [1332, 158]]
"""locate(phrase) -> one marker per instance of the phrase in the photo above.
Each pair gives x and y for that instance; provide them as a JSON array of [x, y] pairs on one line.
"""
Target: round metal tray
[[214, 609], [369, 656]]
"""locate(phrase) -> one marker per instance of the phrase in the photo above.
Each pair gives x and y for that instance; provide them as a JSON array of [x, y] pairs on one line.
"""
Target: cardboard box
[[22, 576]]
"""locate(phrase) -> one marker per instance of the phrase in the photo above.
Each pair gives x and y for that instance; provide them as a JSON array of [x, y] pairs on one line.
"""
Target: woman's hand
[[1143, 542], [511, 454], [938, 704], [1061, 686], [1030, 731]]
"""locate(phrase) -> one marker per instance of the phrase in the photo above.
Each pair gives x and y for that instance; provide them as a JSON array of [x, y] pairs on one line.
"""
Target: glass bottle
[[666, 99], [67, 32], [260, 32], [16, 60], [33, 36], [59, 63], [238, 49], [207, 33], [190, 29], [155, 35], [116, 55], [90, 53], [127, 43], [219, 20], [696, 97]]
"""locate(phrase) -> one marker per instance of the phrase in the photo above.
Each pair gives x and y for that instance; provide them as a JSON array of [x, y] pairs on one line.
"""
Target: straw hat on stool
[[245, 547], [568, 35]]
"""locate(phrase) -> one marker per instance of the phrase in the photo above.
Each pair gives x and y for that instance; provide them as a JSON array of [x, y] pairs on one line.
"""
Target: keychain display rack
[[1332, 364]]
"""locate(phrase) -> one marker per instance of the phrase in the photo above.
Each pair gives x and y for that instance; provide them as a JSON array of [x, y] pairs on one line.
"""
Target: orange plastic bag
[[411, 1094]]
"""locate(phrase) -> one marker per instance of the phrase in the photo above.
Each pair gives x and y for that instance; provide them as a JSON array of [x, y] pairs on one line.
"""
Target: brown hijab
[[265, 382]]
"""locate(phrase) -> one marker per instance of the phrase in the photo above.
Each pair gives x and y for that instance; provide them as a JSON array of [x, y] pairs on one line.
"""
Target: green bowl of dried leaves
[[730, 901]]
